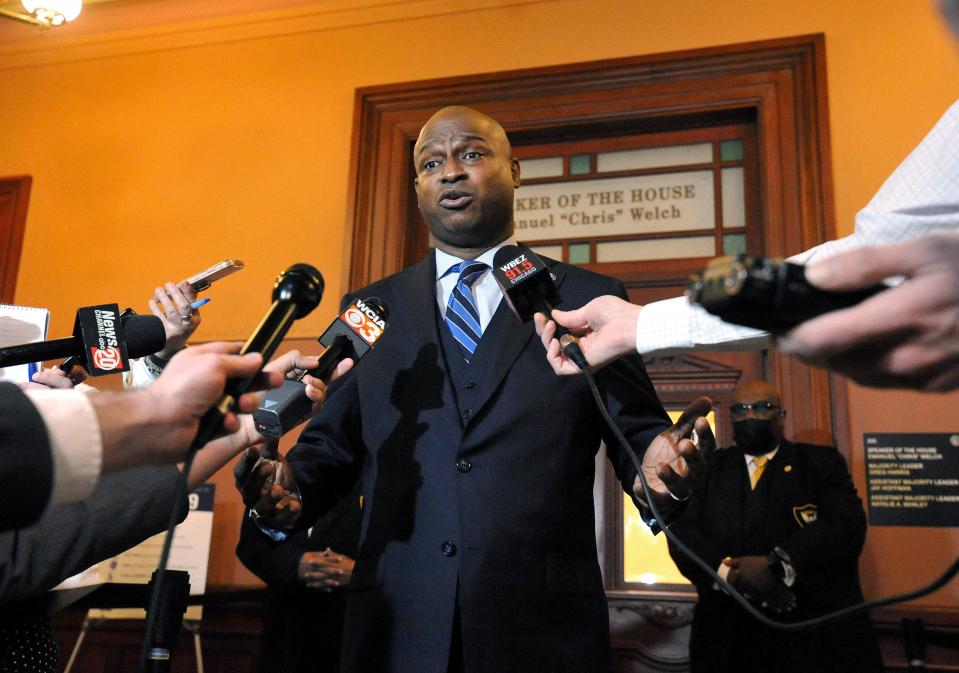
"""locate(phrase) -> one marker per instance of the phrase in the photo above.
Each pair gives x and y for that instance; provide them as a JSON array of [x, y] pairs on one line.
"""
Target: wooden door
[[14, 197]]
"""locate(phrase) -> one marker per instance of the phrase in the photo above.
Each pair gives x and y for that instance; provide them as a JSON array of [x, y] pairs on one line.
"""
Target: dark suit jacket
[[806, 504], [126, 508], [26, 459], [478, 487]]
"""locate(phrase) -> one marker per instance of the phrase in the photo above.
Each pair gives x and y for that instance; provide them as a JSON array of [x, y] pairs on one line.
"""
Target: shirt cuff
[[723, 571], [674, 326], [662, 326], [75, 440]]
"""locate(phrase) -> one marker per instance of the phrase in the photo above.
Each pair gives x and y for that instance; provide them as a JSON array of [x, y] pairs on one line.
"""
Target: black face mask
[[754, 437]]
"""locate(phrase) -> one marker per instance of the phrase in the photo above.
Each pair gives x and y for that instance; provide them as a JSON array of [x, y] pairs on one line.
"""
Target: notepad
[[21, 325]]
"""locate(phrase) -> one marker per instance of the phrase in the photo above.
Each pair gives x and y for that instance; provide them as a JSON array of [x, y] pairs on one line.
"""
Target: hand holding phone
[[205, 278]]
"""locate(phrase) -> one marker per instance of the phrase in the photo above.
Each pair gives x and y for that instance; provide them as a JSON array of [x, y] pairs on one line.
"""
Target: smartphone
[[766, 293], [205, 278]]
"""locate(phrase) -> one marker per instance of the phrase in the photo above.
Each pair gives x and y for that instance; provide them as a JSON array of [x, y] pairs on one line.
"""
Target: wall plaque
[[912, 479]]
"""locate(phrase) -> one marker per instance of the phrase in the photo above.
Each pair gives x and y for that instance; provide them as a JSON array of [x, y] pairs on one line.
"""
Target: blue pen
[[200, 302]]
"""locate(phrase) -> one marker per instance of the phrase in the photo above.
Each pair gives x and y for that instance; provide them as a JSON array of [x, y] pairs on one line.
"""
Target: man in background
[[782, 523]]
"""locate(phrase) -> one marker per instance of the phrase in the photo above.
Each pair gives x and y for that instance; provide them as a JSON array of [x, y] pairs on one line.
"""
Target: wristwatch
[[781, 566], [776, 566]]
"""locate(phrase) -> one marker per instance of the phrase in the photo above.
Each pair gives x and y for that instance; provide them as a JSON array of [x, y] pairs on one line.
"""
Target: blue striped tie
[[462, 317]]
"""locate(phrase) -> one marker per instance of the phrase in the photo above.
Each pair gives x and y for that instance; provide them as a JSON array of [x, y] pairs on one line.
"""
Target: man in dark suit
[[783, 524], [306, 576], [478, 549]]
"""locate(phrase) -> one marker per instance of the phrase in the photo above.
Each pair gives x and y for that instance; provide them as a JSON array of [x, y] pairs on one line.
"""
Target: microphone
[[297, 291], [351, 335], [105, 348], [529, 288]]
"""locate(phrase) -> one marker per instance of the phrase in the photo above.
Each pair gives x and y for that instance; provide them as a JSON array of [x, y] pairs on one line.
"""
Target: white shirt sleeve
[[920, 197], [675, 325], [75, 439]]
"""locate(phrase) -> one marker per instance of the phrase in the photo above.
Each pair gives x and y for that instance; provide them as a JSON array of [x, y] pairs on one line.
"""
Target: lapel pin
[[788, 468]]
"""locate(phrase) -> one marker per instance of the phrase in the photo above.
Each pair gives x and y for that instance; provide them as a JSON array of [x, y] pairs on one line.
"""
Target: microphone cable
[[808, 624]]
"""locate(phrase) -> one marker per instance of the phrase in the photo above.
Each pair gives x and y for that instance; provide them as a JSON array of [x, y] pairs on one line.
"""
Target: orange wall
[[157, 151]]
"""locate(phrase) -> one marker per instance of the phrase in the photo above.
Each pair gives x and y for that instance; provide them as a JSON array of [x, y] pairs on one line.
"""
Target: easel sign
[[190, 552]]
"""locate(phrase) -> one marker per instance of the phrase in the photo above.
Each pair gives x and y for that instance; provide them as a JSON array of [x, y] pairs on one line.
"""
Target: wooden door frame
[[781, 83], [14, 198]]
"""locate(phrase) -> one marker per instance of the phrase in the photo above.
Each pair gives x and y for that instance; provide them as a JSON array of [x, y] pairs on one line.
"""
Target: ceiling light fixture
[[46, 13]]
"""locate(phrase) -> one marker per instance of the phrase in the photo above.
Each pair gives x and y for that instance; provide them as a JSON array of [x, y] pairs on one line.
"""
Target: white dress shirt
[[920, 197]]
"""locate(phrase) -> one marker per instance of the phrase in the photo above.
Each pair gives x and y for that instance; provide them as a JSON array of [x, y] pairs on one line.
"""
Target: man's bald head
[[434, 128], [752, 391]]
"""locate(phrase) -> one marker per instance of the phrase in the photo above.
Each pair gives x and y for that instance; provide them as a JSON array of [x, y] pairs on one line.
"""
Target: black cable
[[830, 617], [179, 493]]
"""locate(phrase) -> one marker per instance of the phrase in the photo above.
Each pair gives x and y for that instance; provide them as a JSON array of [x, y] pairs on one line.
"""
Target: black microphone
[[297, 291], [529, 288], [142, 335], [351, 335]]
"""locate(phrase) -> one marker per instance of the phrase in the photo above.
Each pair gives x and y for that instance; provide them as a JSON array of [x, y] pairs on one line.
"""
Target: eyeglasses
[[762, 409]]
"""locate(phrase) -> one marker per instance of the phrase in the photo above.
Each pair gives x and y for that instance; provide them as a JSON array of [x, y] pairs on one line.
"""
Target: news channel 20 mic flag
[[103, 340]]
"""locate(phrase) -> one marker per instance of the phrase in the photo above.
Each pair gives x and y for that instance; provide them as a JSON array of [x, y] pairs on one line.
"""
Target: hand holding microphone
[[605, 328], [297, 291], [348, 338]]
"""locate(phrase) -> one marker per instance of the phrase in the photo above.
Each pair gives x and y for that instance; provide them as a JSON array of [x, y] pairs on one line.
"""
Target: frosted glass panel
[[660, 248], [731, 150], [554, 251], [579, 164], [645, 556], [541, 168], [734, 207], [579, 253], [734, 244], [654, 157]]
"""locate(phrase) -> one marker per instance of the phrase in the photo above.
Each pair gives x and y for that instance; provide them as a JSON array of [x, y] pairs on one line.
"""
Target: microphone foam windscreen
[[144, 335]]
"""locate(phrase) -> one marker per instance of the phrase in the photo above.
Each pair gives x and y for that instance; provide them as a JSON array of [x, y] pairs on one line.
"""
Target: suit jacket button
[[463, 465], [469, 384], [449, 549], [467, 413]]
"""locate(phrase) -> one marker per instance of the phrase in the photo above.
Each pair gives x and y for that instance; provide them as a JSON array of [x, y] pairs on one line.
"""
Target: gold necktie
[[760, 462]]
